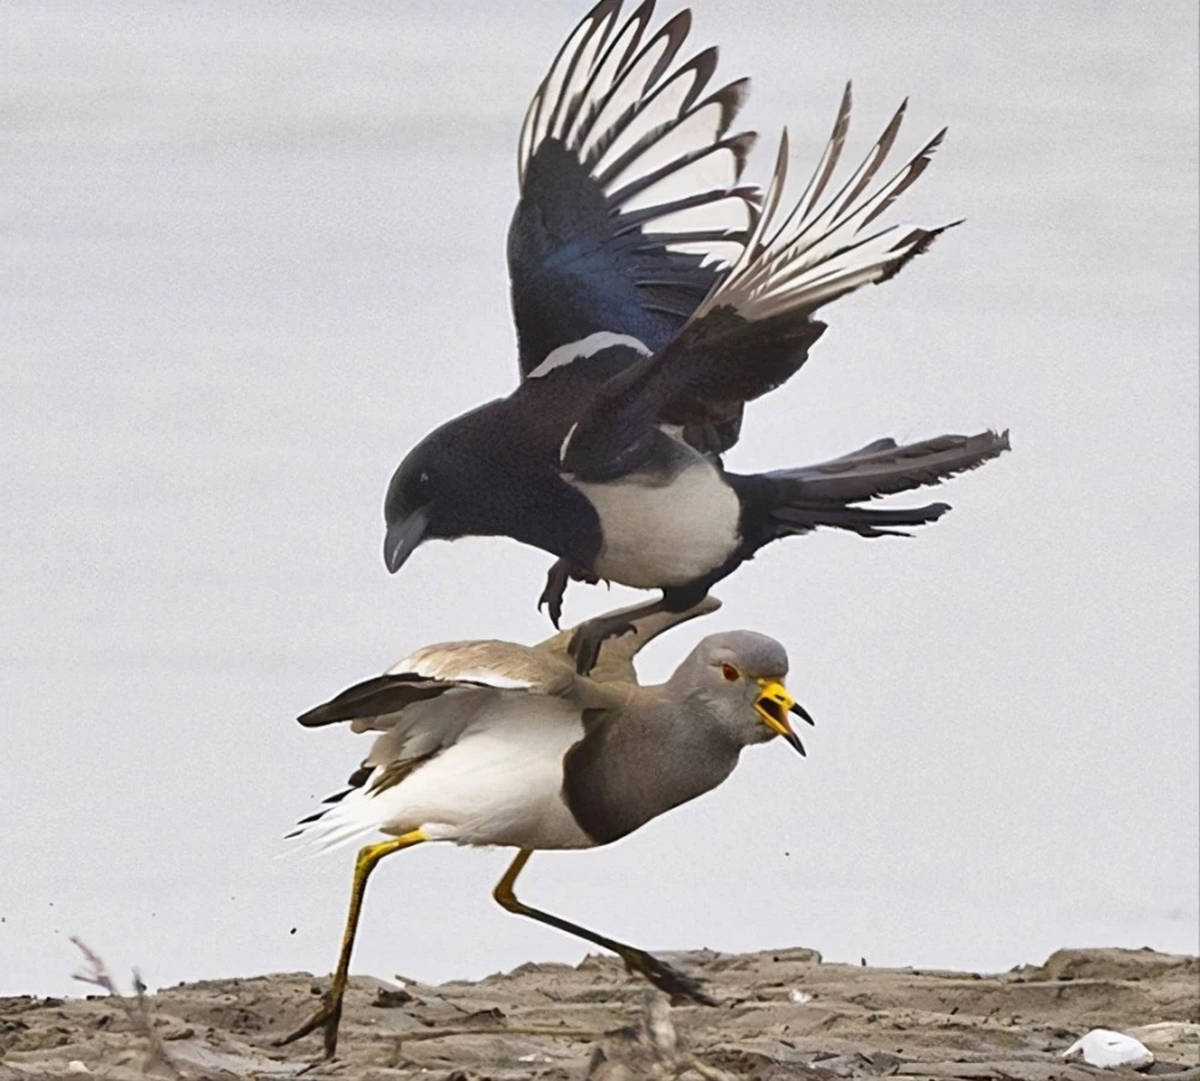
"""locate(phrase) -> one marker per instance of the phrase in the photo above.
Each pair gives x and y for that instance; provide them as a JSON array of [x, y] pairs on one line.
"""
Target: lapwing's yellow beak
[[773, 706]]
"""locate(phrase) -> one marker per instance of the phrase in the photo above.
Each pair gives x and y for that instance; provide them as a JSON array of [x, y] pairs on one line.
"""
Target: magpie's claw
[[556, 586], [553, 606]]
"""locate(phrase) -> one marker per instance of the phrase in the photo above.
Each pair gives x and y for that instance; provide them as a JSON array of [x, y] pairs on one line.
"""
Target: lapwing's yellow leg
[[680, 987], [330, 1013]]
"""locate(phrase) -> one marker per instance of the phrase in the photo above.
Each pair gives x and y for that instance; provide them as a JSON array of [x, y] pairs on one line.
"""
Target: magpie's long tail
[[829, 493]]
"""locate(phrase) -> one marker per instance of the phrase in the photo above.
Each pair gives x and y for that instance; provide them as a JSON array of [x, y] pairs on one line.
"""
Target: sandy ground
[[782, 1015]]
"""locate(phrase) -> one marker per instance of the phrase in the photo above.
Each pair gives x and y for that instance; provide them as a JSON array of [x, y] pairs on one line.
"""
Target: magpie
[[654, 295]]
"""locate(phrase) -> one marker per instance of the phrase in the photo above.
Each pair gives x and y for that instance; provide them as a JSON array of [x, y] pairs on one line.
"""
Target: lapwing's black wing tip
[[374, 697]]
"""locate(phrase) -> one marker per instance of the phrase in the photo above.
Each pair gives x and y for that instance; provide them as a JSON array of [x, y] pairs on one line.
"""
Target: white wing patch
[[451, 665], [492, 679], [584, 348], [562, 450]]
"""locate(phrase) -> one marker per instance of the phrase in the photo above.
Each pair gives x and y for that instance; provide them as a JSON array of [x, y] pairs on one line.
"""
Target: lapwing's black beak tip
[[798, 710]]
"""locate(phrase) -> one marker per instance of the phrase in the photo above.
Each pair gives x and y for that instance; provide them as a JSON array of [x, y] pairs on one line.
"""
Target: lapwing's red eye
[[730, 673]]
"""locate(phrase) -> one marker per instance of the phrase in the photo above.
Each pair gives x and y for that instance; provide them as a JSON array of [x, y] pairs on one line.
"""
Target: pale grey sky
[[250, 257]]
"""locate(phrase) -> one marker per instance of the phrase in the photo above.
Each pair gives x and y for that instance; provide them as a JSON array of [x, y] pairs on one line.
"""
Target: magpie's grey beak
[[403, 537]]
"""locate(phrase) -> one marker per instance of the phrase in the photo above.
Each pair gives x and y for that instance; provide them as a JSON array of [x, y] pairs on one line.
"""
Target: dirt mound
[[1114, 964], [783, 1015]]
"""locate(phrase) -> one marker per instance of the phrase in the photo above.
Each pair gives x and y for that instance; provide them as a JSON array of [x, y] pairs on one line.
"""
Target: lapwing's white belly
[[663, 533]]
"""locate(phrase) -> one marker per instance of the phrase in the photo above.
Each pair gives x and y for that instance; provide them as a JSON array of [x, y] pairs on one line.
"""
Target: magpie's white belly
[[664, 532]]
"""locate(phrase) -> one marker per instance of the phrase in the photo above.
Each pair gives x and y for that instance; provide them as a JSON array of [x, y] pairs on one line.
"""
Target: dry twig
[[96, 973]]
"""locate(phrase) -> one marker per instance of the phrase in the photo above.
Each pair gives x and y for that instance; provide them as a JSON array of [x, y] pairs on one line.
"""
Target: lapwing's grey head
[[739, 677]]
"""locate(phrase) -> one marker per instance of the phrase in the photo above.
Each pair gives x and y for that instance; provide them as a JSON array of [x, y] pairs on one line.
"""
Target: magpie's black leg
[[556, 585], [589, 636]]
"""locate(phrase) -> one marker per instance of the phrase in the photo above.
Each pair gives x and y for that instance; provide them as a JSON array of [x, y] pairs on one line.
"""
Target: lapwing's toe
[[585, 643], [328, 1017], [682, 989], [584, 648]]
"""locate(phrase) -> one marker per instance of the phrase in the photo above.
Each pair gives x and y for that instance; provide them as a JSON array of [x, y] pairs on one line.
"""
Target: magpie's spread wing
[[754, 330], [630, 206]]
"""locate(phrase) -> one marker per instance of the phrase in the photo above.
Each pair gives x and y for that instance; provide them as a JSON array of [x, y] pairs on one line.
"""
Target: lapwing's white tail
[[831, 493], [344, 818], [820, 250]]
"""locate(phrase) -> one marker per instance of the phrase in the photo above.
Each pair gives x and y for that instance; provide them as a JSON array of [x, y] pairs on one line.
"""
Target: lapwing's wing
[[433, 671], [754, 329], [630, 207], [423, 705], [545, 669]]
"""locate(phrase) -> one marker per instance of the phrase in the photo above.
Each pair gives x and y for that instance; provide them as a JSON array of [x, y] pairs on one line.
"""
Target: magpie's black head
[[409, 507], [443, 488], [490, 472], [422, 496]]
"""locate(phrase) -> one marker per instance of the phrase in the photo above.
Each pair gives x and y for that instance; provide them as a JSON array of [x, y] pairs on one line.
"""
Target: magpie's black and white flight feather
[[655, 294], [630, 204]]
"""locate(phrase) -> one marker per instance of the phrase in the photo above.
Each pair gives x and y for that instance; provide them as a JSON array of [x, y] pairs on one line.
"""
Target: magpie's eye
[[730, 673]]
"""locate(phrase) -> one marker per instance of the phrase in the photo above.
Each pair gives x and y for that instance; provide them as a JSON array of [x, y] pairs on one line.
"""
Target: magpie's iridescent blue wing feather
[[631, 206], [754, 329]]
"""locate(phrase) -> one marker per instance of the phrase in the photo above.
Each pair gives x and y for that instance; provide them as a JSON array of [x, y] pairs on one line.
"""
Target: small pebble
[[1109, 1050]]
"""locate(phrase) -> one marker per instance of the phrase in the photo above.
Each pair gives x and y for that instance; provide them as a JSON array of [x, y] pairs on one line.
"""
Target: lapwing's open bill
[[654, 297], [491, 743]]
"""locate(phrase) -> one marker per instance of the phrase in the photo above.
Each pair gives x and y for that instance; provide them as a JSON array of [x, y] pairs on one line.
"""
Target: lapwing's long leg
[[330, 1013], [681, 988], [589, 636]]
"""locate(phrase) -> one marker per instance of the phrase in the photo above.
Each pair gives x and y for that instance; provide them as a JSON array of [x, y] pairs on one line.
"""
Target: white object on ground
[[1107, 1049], [799, 996], [75, 1066]]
